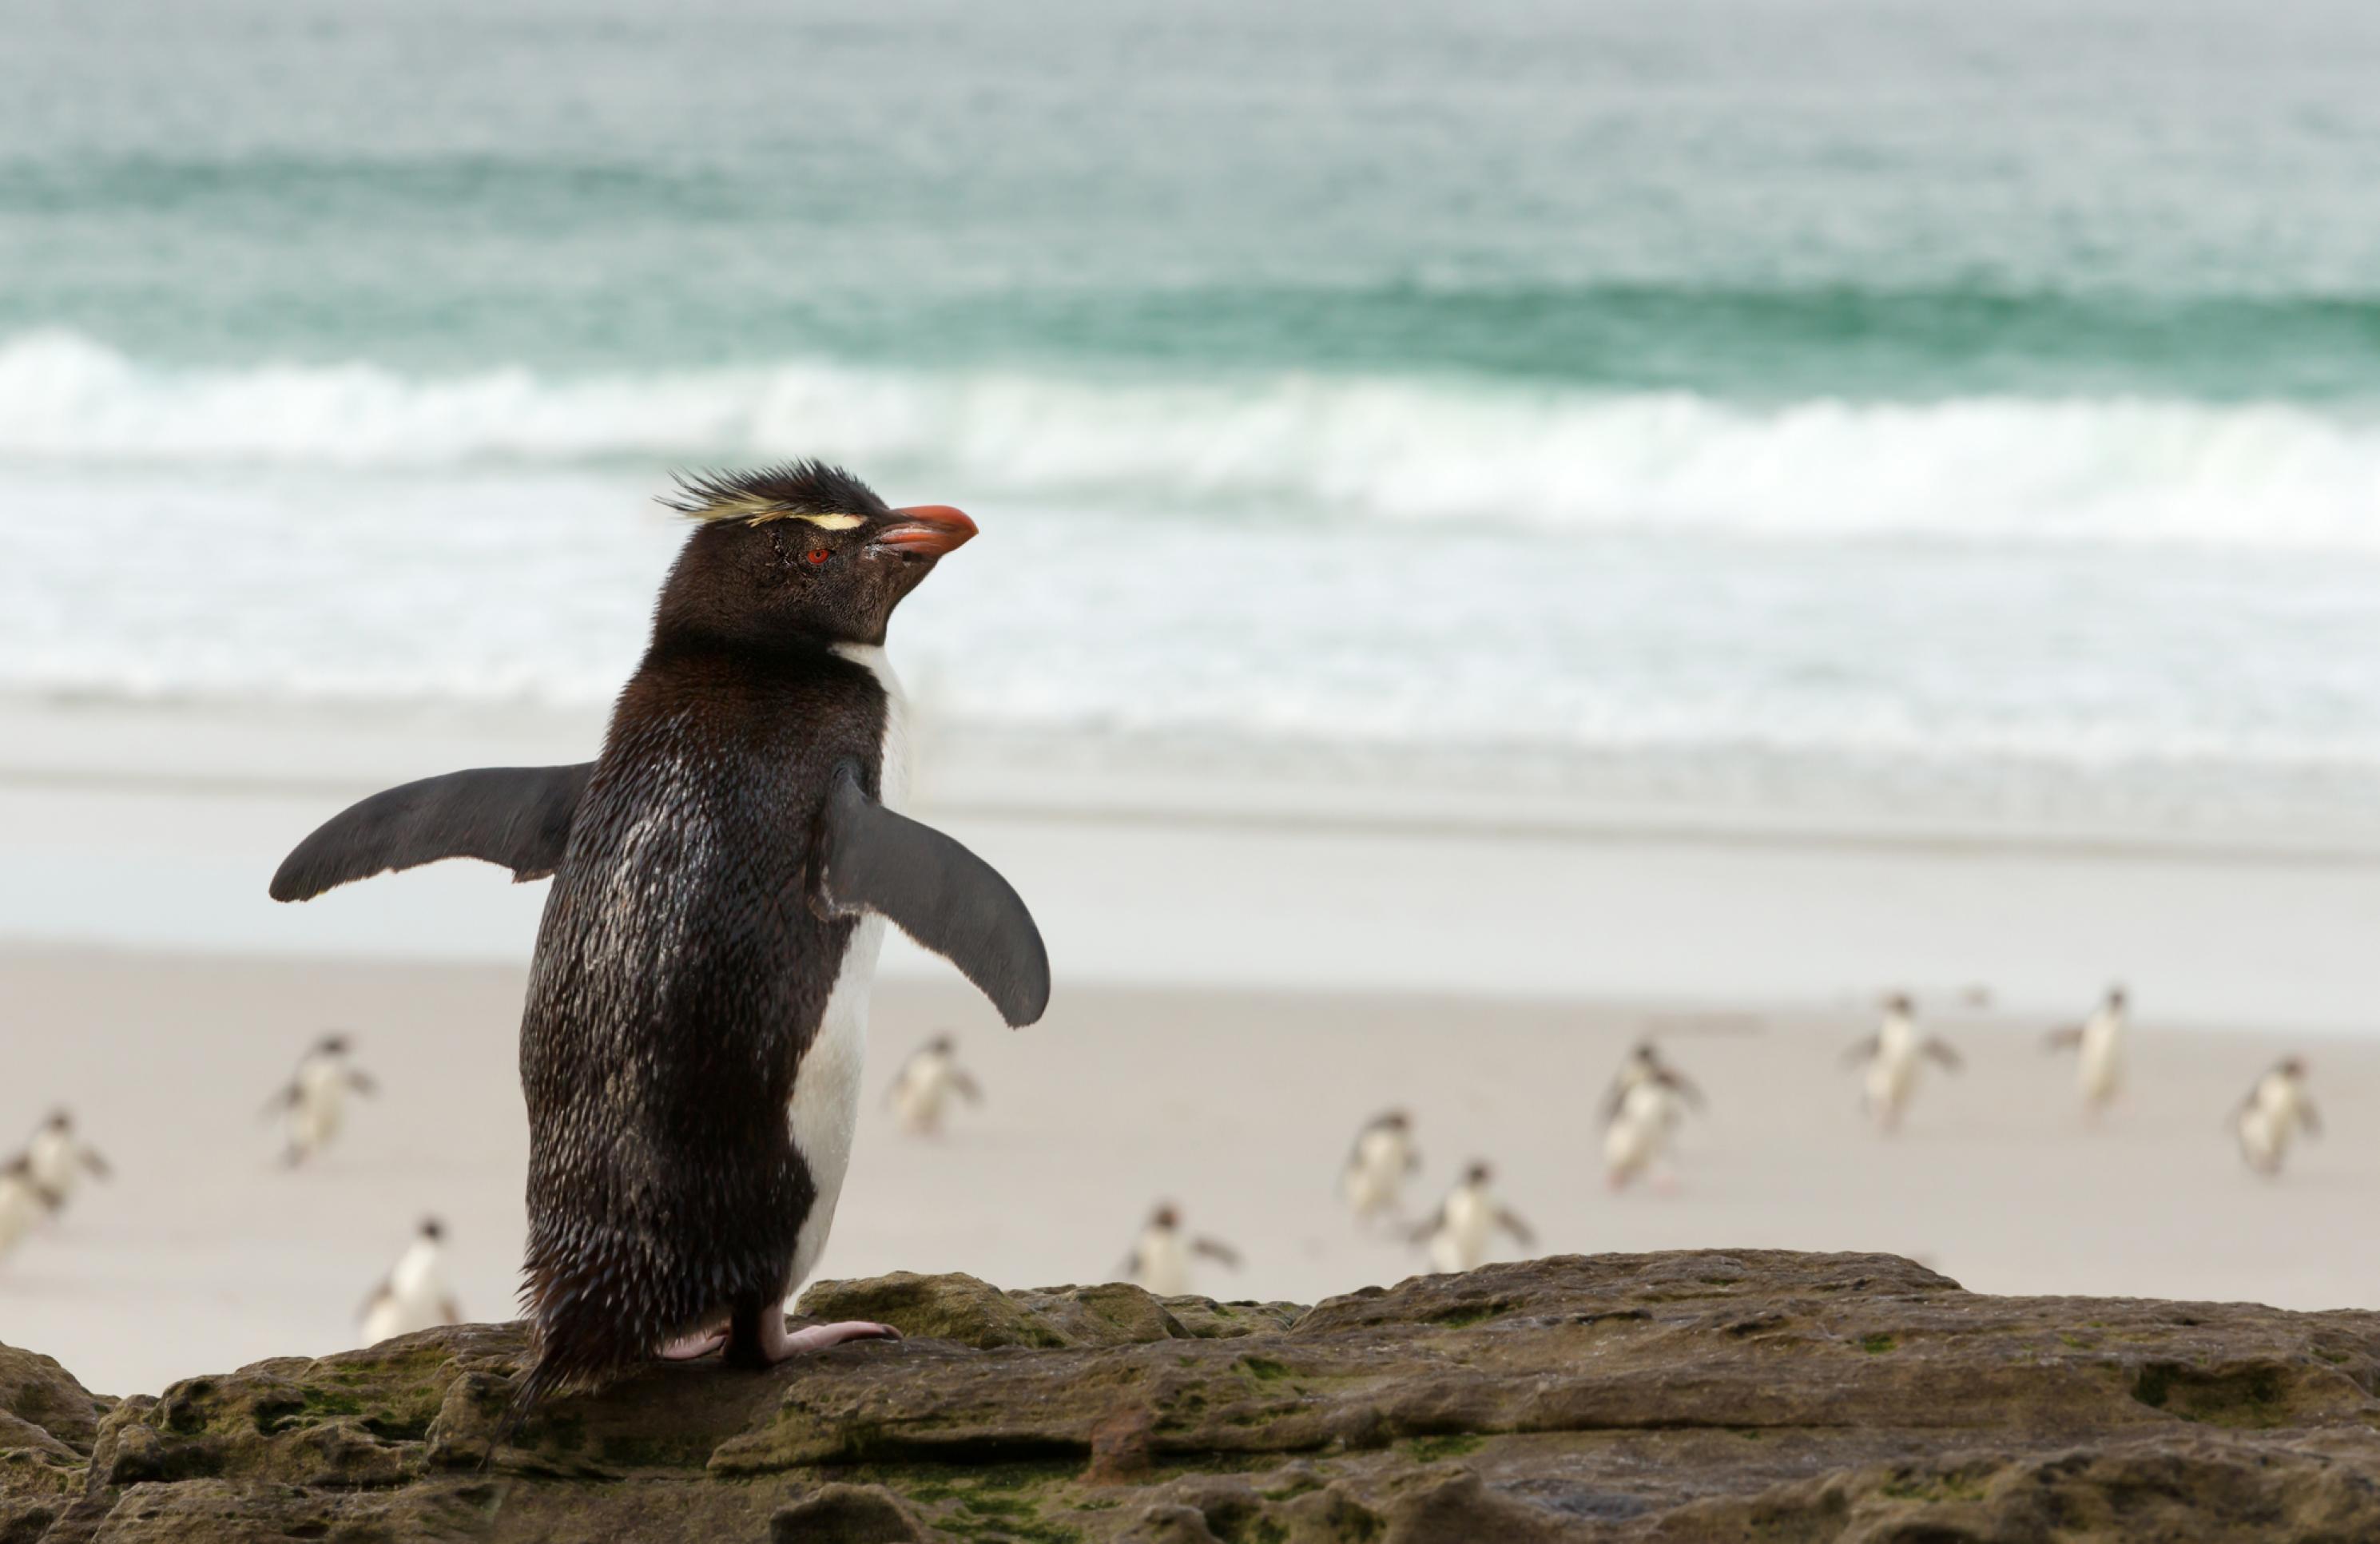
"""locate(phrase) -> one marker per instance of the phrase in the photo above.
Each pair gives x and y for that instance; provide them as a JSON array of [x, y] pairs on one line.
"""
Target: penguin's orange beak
[[926, 530]]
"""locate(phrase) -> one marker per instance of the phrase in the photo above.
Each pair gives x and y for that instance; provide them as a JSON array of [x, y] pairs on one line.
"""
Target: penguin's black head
[[334, 1045], [432, 1229], [2292, 1066], [1477, 1174], [1900, 1003], [1397, 1120], [61, 1119], [800, 552], [1167, 1215], [942, 1045], [2115, 997]]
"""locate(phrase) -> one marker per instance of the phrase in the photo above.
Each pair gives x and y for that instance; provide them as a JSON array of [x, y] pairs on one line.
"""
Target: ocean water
[[1972, 411]]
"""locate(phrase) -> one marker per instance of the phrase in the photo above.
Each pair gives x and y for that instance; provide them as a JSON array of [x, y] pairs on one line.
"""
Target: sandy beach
[[202, 1254]]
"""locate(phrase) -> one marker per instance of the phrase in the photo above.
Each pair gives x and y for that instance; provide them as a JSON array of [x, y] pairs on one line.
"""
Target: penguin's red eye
[[816, 555]]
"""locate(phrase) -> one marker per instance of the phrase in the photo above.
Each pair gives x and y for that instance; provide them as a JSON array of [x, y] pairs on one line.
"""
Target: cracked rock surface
[[1693, 1396]]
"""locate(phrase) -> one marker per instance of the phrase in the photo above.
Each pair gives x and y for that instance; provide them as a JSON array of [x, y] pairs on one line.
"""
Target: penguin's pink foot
[[1667, 1186], [685, 1348], [777, 1343]]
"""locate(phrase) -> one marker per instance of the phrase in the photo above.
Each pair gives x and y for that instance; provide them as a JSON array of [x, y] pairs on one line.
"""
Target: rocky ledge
[[1686, 1397]]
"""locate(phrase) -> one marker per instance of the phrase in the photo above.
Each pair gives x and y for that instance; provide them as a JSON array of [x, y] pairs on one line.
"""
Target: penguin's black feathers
[[518, 818], [937, 892], [707, 868]]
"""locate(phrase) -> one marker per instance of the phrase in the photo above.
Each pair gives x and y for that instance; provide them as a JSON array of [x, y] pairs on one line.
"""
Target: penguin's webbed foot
[[818, 1337], [702, 1342]]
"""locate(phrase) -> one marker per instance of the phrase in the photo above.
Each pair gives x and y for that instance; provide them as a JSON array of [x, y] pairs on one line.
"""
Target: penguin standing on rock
[[2099, 1071], [1382, 1159], [1891, 1057], [59, 1158], [314, 1102], [925, 1083], [1160, 1257], [692, 1044], [414, 1295], [2276, 1110], [1467, 1222]]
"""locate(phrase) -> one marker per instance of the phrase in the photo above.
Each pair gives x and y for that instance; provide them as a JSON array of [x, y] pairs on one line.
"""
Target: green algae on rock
[[1672, 1398]]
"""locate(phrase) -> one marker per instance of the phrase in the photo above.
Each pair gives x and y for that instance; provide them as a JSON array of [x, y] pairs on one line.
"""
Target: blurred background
[[1508, 528]]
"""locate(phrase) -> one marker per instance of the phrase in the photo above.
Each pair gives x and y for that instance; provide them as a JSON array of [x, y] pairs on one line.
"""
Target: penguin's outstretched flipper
[[518, 818], [937, 892]]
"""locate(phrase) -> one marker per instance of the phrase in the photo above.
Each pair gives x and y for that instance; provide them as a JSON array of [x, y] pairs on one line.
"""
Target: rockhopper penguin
[[1646, 1099], [414, 1294], [60, 1158], [1384, 1157], [1891, 1057], [925, 1083], [2100, 1039], [314, 1102], [692, 1041], [2276, 1110]]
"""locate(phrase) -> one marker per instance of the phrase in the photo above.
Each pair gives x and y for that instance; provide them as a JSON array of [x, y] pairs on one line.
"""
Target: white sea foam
[[2266, 475], [1953, 600]]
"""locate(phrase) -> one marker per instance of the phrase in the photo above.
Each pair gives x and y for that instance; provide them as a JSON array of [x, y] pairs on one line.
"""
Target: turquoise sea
[[1971, 409]]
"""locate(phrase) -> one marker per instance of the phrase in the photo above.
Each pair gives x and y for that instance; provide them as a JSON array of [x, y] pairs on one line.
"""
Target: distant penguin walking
[[414, 1294], [1159, 1261], [2099, 1072], [1647, 1101], [695, 1032], [1383, 1158], [923, 1087], [1467, 1222], [1891, 1057], [23, 1201], [2276, 1110], [312, 1104], [60, 1158]]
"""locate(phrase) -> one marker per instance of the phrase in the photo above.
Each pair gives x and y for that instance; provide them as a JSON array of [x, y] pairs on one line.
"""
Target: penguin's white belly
[[415, 1299], [1164, 1264], [825, 1109], [2102, 1067], [315, 1120], [1376, 1176], [2263, 1138], [1890, 1080], [1629, 1144], [52, 1158], [1462, 1240], [20, 1207], [919, 1099]]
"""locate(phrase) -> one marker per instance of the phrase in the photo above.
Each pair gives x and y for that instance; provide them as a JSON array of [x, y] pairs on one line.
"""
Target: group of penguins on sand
[[723, 868], [2275, 1112], [1649, 1097]]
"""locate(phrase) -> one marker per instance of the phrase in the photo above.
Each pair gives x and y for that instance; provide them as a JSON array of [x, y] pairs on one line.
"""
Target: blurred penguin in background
[[59, 1158], [2100, 1039], [1891, 1057], [414, 1295], [314, 1103], [1161, 1259], [23, 1202], [2276, 1110], [1383, 1158], [1467, 1222], [922, 1089], [1647, 1101]]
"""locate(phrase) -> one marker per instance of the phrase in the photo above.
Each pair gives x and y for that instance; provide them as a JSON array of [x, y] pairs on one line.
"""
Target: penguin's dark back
[[681, 973]]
